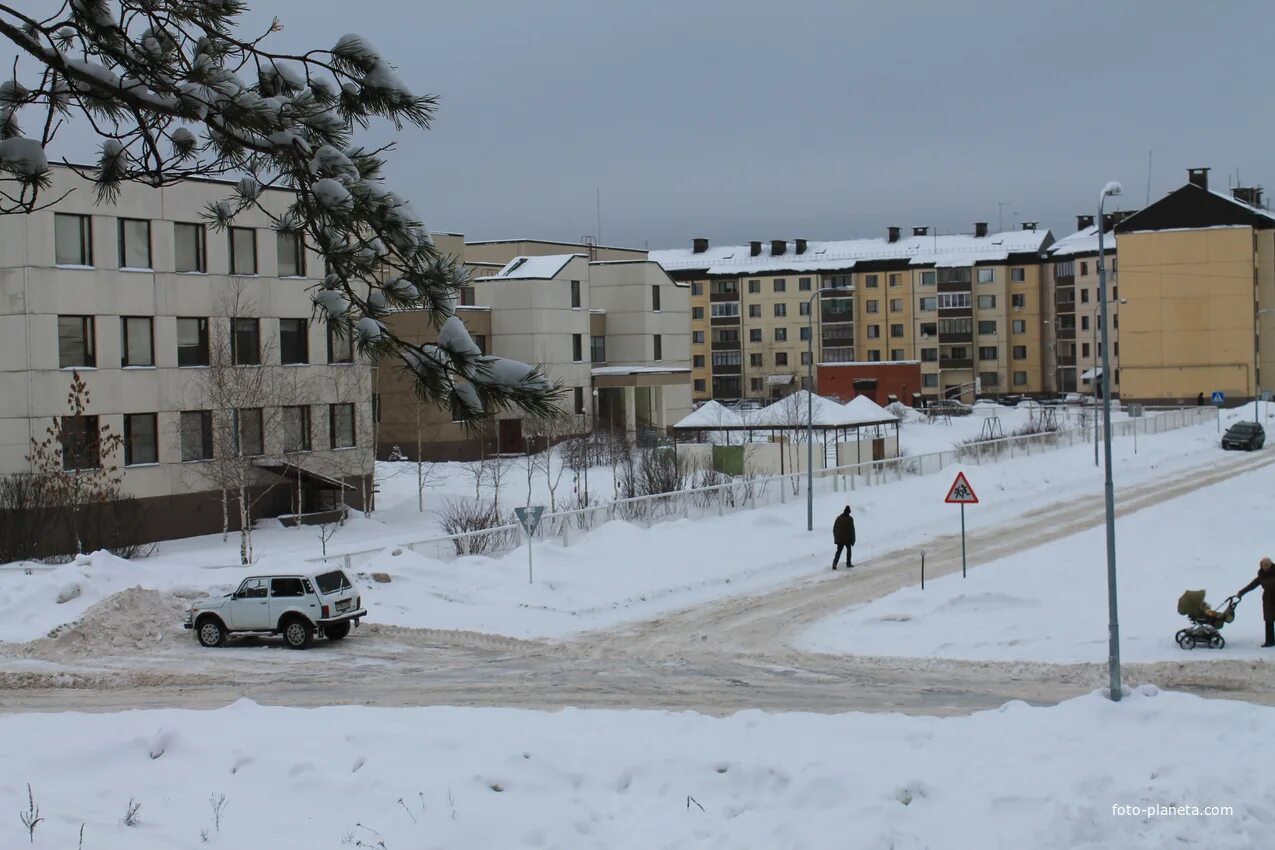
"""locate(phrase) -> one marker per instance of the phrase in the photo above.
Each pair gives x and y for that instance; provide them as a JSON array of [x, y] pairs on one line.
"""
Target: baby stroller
[[1206, 623]]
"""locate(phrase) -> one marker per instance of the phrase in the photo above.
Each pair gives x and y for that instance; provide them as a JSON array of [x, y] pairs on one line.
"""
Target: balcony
[[725, 345], [837, 355], [832, 317], [967, 336], [730, 295], [1067, 360], [727, 369], [954, 286], [1065, 297], [1067, 333], [956, 363]]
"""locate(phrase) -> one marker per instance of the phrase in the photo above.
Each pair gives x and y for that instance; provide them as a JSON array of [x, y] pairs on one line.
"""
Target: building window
[[141, 439], [575, 295], [1020, 379], [781, 334], [870, 281], [873, 307], [724, 310], [192, 342], [803, 284], [896, 331], [190, 242], [1018, 300], [249, 438], [929, 303], [781, 310], [803, 333], [754, 334], [80, 446], [781, 358], [291, 255], [874, 356], [1018, 274], [874, 331], [929, 380], [245, 342], [894, 279], [723, 287], [294, 341], [1084, 268], [1084, 349], [754, 384], [698, 361], [727, 358], [1065, 269], [805, 358], [948, 327], [1115, 349], [76, 346], [1020, 352], [697, 337], [756, 360], [754, 287], [196, 435], [1019, 326], [697, 314], [342, 425], [754, 311], [896, 354], [929, 355], [243, 250], [1084, 296], [577, 347], [986, 302], [658, 345], [598, 349], [781, 285], [896, 305], [697, 289], [929, 329], [135, 243], [989, 379], [340, 346], [927, 278], [987, 275], [988, 352], [954, 300], [699, 385], [73, 240], [985, 327], [578, 398], [838, 281], [803, 308], [1084, 323], [137, 346]]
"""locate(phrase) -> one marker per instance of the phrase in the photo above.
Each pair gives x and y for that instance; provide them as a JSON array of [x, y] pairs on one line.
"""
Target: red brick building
[[878, 381]]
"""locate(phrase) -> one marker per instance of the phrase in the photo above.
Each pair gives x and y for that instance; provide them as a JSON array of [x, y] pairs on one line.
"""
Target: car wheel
[[210, 632], [297, 633], [336, 631]]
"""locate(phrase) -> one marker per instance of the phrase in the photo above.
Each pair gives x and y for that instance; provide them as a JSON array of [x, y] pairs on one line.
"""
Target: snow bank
[[450, 777]]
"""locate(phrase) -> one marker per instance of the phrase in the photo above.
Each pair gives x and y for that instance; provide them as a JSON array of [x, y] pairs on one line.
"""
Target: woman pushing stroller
[[1266, 580]]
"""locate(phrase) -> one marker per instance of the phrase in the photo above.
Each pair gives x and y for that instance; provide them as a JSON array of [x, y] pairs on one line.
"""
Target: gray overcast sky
[[738, 119]]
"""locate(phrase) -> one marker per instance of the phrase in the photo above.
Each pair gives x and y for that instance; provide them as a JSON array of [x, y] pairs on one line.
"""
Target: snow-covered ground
[[418, 778], [1049, 603], [622, 572]]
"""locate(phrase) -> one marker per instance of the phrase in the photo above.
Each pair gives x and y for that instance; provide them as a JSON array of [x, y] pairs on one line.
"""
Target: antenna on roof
[[599, 207]]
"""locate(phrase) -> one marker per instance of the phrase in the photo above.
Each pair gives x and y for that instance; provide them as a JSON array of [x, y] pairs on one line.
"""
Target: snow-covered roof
[[1265, 213], [533, 268], [950, 250], [711, 415], [865, 411], [1083, 242], [639, 370], [791, 412]]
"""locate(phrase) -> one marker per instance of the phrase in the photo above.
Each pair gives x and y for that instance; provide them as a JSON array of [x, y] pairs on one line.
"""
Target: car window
[[286, 587], [333, 582], [252, 588]]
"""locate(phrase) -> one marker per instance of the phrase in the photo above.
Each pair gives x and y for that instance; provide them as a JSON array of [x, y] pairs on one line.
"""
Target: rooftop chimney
[[754, 249], [777, 247], [1029, 225], [920, 231], [1198, 177], [1084, 221], [699, 245], [1251, 195], [893, 233], [1111, 219], [980, 229], [801, 245]]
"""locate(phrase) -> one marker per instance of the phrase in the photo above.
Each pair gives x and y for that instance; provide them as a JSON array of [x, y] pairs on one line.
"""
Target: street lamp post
[[1113, 658], [1257, 372], [810, 405]]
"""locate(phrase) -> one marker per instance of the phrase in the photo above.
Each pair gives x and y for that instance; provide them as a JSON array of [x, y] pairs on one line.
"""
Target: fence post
[[346, 561]]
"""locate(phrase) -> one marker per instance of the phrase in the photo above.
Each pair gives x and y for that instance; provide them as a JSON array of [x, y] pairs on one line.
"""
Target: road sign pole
[[529, 581], [962, 540]]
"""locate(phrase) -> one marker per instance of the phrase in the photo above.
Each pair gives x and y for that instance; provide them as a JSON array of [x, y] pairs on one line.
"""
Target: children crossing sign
[[961, 493]]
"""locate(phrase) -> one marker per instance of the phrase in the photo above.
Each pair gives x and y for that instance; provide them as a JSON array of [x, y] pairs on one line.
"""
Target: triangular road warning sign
[[961, 493]]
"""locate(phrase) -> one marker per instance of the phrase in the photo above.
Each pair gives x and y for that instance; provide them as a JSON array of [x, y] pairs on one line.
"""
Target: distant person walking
[[843, 536], [1266, 580], [1199, 400]]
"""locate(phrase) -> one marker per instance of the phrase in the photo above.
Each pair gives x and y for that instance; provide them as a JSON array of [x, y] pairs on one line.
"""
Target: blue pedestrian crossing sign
[[1218, 396]]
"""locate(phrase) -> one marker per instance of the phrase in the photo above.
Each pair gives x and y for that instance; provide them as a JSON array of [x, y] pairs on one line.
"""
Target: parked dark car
[[1244, 435]]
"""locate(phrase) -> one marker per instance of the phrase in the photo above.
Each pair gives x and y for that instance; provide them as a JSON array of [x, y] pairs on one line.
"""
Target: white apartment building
[[151, 307]]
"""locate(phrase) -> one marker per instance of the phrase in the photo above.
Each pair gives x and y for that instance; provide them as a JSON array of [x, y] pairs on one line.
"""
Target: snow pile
[[453, 777], [127, 622]]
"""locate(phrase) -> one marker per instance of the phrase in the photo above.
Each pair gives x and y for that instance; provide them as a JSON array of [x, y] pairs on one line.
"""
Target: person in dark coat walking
[[1199, 400], [843, 536], [1266, 579]]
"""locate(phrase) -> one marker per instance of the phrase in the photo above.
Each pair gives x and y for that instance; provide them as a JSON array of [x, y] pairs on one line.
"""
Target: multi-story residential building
[[1072, 329], [1197, 275], [163, 318], [969, 307], [615, 333]]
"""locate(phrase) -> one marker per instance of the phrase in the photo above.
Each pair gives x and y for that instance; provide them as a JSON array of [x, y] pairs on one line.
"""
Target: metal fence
[[745, 493]]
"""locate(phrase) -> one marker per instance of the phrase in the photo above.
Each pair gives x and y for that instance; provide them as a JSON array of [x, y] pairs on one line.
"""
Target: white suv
[[297, 606]]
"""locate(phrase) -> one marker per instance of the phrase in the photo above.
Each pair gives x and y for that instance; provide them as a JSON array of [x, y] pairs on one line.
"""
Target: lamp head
[[1112, 188]]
